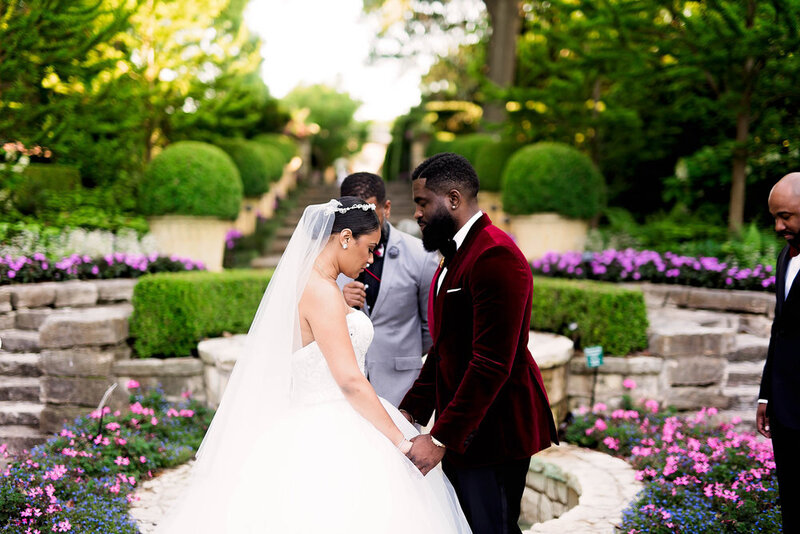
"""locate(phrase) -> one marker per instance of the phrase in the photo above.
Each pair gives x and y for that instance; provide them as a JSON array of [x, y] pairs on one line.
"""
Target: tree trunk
[[505, 23], [738, 176]]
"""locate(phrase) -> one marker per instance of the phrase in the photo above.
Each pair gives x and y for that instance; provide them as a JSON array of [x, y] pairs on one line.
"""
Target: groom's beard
[[438, 230]]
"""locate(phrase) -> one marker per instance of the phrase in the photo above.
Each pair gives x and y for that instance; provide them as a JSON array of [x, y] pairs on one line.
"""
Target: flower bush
[[38, 268], [699, 477], [23, 239], [83, 478], [630, 265]]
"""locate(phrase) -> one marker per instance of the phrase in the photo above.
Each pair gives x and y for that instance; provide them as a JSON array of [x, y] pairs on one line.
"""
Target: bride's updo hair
[[358, 220]]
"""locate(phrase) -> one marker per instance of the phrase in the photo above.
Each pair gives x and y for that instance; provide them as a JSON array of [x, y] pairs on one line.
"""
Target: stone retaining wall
[[549, 492]]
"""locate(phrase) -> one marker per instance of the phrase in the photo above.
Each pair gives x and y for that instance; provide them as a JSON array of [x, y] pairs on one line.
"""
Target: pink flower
[[611, 443], [629, 383], [651, 405], [132, 384]]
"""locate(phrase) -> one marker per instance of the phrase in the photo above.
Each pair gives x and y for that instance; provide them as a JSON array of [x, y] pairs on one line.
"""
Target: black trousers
[[787, 466], [490, 496]]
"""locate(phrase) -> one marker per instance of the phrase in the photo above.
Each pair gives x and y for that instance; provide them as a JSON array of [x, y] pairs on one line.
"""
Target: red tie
[[793, 251]]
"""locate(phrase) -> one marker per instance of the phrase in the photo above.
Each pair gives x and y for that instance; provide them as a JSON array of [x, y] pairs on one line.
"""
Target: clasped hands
[[424, 453]]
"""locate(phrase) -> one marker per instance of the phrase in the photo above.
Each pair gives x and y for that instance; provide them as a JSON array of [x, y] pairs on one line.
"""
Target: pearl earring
[[344, 246], [453, 207]]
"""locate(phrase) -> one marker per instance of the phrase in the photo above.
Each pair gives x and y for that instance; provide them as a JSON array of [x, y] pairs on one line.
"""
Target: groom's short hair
[[446, 171], [364, 185]]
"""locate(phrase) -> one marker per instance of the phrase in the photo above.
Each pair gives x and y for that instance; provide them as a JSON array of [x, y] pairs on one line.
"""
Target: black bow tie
[[448, 250]]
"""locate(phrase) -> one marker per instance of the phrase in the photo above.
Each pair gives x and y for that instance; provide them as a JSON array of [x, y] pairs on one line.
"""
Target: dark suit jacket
[[480, 378], [780, 382]]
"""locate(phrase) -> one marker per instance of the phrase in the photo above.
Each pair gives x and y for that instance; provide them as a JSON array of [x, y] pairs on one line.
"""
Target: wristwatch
[[437, 442]]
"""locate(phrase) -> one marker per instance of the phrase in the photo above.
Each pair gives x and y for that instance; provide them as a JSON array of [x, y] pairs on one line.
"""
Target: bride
[[301, 443]]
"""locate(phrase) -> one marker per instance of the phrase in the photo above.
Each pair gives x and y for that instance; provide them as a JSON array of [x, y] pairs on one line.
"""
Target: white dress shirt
[[791, 273], [459, 238]]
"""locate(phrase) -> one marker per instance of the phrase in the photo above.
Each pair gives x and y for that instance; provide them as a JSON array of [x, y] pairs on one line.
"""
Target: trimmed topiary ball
[[552, 177], [468, 145], [258, 164], [490, 162], [285, 145], [439, 143], [191, 178]]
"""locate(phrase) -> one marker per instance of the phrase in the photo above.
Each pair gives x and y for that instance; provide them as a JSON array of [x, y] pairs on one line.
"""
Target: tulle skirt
[[324, 468]]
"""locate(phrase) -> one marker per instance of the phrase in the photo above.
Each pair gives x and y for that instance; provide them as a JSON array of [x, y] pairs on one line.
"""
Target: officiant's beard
[[438, 230]]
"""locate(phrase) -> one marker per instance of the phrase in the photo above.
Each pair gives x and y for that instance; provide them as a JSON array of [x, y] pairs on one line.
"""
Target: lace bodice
[[312, 380]]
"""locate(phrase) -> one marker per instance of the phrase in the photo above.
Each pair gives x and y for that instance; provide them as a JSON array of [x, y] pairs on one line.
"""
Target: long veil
[[259, 388]]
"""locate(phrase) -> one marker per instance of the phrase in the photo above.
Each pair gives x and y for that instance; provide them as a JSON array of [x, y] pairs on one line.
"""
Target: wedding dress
[[324, 468], [286, 453]]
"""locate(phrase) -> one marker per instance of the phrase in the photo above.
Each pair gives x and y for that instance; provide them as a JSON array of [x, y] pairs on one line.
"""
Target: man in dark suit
[[492, 412], [778, 414]]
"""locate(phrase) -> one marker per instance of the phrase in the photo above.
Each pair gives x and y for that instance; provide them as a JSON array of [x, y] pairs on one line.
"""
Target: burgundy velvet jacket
[[479, 376]]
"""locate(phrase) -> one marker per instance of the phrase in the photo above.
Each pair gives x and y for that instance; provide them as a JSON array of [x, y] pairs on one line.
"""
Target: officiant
[[393, 292]]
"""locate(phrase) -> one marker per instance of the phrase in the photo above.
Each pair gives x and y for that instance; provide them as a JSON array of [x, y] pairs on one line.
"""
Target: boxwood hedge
[[172, 312], [592, 313]]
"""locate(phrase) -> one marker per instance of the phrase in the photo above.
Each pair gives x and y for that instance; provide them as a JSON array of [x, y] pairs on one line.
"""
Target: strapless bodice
[[312, 380]]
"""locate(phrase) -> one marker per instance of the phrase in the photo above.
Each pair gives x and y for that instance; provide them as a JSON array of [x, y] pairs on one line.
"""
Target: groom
[[492, 412]]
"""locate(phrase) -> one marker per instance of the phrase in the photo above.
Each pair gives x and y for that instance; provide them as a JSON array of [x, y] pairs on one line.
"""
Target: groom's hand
[[354, 294], [424, 453]]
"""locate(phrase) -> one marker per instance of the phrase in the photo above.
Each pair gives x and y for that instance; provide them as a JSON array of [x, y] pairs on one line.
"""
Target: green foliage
[[686, 233], [257, 164], [191, 178], [552, 177], [490, 162], [601, 314], [339, 133], [71, 98], [284, 143], [42, 181], [173, 312], [469, 145], [439, 143]]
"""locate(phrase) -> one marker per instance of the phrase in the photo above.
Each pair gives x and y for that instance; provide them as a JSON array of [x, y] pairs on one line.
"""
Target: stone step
[[741, 397], [686, 339], [284, 232], [19, 388], [20, 340], [19, 437], [278, 245], [20, 413], [745, 373], [19, 364], [265, 262], [748, 348]]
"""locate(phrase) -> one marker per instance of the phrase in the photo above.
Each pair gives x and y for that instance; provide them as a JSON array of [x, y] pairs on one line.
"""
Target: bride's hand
[[424, 453]]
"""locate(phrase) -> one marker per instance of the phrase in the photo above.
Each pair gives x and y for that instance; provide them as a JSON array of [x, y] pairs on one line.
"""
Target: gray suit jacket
[[400, 316]]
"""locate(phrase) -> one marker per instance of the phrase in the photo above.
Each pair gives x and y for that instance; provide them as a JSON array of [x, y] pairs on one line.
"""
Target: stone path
[[606, 486], [155, 496]]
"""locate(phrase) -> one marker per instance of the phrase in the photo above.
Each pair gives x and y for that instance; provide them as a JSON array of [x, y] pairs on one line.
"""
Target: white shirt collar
[[461, 235], [791, 274]]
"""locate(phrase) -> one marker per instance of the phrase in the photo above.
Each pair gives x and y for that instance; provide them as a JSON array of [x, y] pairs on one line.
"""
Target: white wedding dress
[[322, 467]]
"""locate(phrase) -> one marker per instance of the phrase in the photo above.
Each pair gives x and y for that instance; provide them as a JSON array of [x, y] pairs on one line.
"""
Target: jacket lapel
[[780, 279], [452, 268], [390, 265]]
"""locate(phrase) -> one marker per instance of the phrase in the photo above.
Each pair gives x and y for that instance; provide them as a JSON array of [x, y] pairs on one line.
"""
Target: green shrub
[[284, 143], [173, 312], [490, 161], [42, 180], [439, 143], [600, 313], [191, 178], [555, 177], [258, 164], [469, 145]]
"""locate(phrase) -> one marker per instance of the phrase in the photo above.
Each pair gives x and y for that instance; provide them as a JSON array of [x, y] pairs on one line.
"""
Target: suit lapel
[[780, 279], [453, 268], [390, 265]]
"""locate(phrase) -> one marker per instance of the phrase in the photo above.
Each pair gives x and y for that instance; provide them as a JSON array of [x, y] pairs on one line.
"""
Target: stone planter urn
[[246, 221], [540, 233], [196, 238]]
